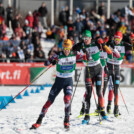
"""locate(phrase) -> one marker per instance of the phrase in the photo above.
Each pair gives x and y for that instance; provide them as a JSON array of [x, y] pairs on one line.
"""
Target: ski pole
[[93, 89], [123, 100], [75, 89], [27, 86], [120, 90]]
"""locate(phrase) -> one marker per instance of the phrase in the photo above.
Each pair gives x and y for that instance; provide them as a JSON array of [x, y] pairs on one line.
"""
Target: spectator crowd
[[25, 45]]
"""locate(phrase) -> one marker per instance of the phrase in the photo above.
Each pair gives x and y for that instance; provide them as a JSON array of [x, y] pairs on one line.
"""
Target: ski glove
[[101, 42], [106, 39], [87, 53], [53, 62], [47, 63], [84, 50]]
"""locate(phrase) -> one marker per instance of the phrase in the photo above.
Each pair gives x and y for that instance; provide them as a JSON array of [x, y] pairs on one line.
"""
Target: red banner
[[14, 75]]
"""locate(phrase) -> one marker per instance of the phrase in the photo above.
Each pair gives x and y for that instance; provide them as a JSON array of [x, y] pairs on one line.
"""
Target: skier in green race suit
[[93, 71]]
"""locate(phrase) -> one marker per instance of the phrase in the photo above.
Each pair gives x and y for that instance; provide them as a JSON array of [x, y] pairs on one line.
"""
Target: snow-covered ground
[[19, 116]]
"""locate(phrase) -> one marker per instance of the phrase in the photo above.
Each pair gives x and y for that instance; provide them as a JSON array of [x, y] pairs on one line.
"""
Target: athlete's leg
[[68, 89]]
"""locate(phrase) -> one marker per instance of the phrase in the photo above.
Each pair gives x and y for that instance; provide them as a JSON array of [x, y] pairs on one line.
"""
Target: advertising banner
[[23, 73], [14, 75], [49, 76]]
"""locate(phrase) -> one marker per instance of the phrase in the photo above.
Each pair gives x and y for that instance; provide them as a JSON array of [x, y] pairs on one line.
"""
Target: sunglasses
[[66, 48], [117, 39], [86, 38]]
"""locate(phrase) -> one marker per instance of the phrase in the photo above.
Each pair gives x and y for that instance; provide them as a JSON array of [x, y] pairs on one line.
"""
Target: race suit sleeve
[[53, 60]]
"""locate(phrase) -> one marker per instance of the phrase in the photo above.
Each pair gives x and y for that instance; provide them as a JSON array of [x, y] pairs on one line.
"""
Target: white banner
[[49, 76]]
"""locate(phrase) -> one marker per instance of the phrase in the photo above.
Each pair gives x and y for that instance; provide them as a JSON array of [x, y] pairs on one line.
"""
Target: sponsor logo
[[67, 63], [10, 76], [93, 52], [66, 67]]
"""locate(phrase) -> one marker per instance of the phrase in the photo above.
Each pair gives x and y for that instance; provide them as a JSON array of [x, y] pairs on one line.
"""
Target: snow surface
[[19, 116]]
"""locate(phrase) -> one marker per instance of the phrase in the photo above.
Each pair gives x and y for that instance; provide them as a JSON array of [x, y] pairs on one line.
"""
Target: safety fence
[[23, 73]]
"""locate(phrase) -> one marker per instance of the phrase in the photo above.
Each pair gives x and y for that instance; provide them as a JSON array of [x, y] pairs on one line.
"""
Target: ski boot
[[116, 111], [38, 122], [97, 111], [82, 111], [86, 120], [103, 115], [109, 109], [66, 122]]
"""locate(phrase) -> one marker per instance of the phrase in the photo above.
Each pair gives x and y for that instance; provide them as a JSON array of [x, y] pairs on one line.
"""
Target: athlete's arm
[[128, 46], [115, 52], [76, 47], [103, 46], [51, 60]]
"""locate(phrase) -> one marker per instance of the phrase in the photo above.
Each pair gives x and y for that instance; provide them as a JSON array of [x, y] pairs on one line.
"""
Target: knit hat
[[86, 33], [67, 43], [118, 34]]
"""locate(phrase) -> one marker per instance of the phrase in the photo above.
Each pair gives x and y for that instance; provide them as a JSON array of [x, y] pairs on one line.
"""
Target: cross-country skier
[[93, 71], [65, 65], [103, 60], [113, 65]]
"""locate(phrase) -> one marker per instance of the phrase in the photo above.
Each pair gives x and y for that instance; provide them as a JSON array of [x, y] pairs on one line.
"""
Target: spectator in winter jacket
[[48, 33], [70, 24], [2, 10], [79, 25], [63, 16], [27, 28], [9, 16], [3, 27], [30, 19], [43, 13], [27, 55], [101, 9], [16, 21], [84, 13], [40, 53], [39, 28], [5, 37], [19, 31], [36, 18], [67, 12]]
